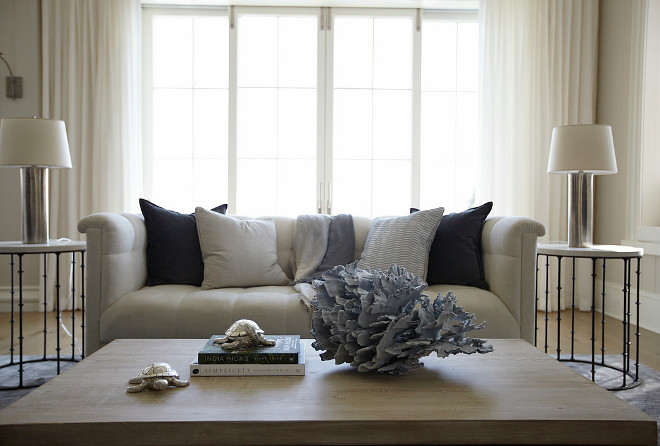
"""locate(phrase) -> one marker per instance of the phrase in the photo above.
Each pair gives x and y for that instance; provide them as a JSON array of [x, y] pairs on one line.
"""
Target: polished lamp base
[[34, 204], [580, 209]]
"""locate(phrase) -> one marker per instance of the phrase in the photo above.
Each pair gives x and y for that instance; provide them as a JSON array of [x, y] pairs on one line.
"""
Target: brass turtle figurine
[[243, 334], [156, 376]]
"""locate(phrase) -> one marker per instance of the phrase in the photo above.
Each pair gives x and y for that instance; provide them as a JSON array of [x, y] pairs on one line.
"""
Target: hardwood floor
[[649, 342], [33, 333]]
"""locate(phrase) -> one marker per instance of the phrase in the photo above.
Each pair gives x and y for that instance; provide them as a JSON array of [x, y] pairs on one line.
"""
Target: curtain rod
[[179, 6], [225, 7]]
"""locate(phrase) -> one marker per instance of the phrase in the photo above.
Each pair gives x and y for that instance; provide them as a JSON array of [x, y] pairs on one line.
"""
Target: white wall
[[20, 43], [650, 207], [613, 109], [615, 102]]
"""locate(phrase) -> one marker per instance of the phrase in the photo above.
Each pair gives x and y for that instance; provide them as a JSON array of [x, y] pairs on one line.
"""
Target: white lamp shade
[[34, 142], [586, 148]]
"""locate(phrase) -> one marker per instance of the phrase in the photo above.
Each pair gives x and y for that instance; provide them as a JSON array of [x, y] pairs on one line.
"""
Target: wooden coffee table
[[515, 395]]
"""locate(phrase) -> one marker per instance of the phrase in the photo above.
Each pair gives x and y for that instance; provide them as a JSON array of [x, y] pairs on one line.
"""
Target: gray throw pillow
[[238, 253], [404, 240]]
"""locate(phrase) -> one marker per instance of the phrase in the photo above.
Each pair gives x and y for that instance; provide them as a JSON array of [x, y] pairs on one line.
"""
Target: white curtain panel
[[538, 70], [91, 80]]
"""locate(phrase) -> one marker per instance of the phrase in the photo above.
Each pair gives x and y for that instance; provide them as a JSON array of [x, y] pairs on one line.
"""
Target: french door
[[288, 111]]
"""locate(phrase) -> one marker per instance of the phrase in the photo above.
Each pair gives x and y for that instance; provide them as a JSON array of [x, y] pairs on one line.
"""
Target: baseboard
[[649, 315], [31, 299]]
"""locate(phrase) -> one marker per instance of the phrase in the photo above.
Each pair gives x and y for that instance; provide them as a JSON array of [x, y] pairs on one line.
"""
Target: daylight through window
[[288, 111]]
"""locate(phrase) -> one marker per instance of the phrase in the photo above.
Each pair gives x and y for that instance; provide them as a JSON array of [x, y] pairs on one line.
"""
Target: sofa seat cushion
[[184, 311], [486, 306]]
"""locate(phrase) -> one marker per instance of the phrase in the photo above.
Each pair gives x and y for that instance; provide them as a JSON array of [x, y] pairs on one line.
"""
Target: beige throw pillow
[[405, 241], [238, 253]]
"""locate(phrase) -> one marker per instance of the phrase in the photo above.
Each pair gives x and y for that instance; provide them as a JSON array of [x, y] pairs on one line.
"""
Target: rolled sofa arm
[[116, 265], [509, 256]]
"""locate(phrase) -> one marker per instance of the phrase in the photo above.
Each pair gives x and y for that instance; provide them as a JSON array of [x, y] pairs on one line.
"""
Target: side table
[[16, 251], [603, 253]]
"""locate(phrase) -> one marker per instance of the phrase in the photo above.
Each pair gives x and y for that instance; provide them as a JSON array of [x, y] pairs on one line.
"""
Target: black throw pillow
[[455, 256], [173, 252]]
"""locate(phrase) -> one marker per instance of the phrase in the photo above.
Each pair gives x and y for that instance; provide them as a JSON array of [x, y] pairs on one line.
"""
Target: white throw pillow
[[405, 241], [238, 253]]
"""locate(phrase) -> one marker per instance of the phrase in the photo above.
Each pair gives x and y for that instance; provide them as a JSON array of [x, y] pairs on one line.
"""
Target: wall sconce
[[14, 84]]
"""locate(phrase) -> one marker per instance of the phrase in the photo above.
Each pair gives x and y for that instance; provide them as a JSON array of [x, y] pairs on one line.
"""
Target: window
[[186, 108], [650, 188], [643, 213], [372, 121], [287, 111], [276, 114], [449, 110]]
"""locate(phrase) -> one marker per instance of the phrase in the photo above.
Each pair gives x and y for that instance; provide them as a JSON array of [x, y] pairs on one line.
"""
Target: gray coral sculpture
[[382, 321]]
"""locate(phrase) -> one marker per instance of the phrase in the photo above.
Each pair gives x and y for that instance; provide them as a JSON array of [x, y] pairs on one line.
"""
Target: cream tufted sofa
[[120, 305]]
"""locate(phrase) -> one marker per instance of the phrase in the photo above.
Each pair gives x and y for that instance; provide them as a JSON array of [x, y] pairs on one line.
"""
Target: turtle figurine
[[243, 334], [157, 376]]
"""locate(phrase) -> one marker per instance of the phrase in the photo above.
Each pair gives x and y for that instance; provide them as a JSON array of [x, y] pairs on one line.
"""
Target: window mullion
[[232, 112], [417, 112], [326, 92]]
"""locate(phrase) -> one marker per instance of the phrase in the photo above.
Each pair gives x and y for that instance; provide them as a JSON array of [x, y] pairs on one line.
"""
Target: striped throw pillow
[[404, 240]]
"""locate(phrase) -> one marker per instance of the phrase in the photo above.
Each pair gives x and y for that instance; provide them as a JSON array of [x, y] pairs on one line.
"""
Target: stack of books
[[286, 357]]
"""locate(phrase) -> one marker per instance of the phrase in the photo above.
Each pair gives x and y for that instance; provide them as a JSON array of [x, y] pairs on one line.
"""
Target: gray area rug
[[645, 397], [34, 373]]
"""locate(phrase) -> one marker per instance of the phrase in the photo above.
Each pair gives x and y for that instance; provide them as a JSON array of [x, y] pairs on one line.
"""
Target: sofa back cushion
[[361, 225]]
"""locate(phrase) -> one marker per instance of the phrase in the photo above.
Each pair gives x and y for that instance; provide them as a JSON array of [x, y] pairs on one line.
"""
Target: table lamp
[[34, 145], [581, 151]]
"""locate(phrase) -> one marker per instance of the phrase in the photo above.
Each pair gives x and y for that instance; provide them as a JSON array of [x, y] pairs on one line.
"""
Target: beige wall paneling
[[620, 81]]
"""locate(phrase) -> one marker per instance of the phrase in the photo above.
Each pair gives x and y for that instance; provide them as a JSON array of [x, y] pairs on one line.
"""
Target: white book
[[250, 369]]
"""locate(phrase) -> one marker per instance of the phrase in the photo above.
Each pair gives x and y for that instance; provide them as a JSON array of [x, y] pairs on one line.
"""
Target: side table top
[[53, 245], [595, 251]]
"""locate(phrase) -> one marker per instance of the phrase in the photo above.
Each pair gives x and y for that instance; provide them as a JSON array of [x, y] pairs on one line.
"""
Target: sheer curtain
[[538, 70], [91, 80]]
